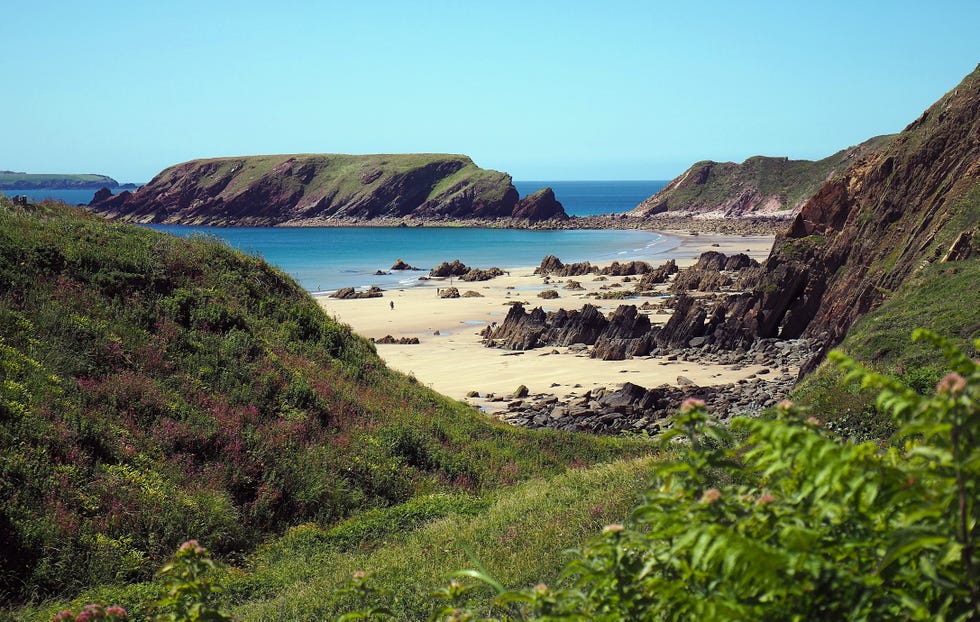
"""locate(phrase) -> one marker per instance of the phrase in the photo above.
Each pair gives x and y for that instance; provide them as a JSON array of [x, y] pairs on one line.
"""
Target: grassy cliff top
[[708, 185], [10, 180]]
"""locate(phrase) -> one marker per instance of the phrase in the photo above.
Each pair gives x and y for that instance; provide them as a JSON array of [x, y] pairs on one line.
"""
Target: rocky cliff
[[325, 188], [913, 202], [760, 186]]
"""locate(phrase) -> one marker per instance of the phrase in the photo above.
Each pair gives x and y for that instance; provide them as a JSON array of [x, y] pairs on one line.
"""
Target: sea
[[326, 259]]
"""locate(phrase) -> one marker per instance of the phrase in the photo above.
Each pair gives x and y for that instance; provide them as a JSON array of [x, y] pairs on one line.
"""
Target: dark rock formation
[[657, 276], [449, 268], [349, 293], [624, 334], [540, 205], [449, 292], [323, 188], [637, 409], [401, 265], [476, 274], [403, 341], [707, 275]]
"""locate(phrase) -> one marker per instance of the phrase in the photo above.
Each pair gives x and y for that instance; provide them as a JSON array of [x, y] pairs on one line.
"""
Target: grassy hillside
[[157, 389], [942, 298], [277, 189], [9, 180], [520, 534], [746, 187]]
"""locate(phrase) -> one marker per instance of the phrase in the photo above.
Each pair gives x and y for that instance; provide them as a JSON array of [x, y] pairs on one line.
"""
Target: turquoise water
[[329, 258], [580, 198], [588, 198]]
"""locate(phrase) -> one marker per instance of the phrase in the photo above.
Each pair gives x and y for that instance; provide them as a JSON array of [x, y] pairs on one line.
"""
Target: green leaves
[[792, 523]]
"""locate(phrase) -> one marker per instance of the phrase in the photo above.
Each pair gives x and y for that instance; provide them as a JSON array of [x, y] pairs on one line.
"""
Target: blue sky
[[542, 90]]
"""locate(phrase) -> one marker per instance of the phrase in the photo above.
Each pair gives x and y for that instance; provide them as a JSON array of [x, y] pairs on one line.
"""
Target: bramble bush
[[780, 520]]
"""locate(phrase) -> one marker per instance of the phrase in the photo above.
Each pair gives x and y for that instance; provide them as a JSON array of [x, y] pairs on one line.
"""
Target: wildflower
[[186, 547], [952, 383], [115, 611], [784, 405], [614, 528], [541, 589], [710, 496], [359, 574], [765, 498], [63, 616], [691, 403], [814, 421]]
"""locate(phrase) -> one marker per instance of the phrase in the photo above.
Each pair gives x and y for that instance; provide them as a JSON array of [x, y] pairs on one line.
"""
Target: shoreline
[[747, 225], [451, 358]]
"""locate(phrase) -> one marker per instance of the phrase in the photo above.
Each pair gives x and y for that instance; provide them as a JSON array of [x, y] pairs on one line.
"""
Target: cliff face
[[760, 186], [319, 188], [913, 202]]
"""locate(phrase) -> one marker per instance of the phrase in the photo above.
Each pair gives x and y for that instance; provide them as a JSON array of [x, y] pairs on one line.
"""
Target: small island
[[328, 189], [11, 180]]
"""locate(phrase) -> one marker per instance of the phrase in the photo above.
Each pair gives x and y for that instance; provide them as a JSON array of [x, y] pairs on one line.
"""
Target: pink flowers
[[952, 383], [711, 496], [92, 613], [690, 404]]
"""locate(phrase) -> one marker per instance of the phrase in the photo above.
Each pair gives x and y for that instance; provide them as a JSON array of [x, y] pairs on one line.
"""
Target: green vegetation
[[791, 182], [341, 177], [940, 297], [9, 180], [779, 521], [156, 389]]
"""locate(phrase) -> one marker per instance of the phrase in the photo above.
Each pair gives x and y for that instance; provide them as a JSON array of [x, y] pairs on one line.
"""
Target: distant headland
[[12, 180], [324, 189]]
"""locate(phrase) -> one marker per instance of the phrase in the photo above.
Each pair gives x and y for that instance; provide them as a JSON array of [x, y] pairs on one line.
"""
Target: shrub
[[793, 524]]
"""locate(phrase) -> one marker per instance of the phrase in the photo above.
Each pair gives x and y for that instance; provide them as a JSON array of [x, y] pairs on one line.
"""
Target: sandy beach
[[451, 359]]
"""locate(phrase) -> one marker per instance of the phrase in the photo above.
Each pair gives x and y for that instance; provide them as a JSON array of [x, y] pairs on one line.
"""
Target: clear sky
[[542, 90]]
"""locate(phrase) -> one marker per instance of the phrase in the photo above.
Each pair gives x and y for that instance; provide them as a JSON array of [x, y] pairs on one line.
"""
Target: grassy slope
[[942, 298], [337, 175], [792, 180], [14, 181], [156, 389], [521, 535]]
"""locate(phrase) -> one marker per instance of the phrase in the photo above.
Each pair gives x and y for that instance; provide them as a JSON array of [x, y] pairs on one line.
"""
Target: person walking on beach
[[392, 303]]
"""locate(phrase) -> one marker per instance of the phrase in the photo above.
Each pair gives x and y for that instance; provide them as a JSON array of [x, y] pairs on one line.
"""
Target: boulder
[[446, 268], [449, 292], [476, 274], [348, 293], [401, 265]]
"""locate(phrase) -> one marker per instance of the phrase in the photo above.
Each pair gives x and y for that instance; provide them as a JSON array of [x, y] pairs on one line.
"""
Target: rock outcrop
[[914, 201], [349, 293], [540, 205], [624, 334], [324, 189], [760, 186], [449, 268]]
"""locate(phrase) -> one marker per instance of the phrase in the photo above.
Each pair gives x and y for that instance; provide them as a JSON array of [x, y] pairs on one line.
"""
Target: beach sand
[[455, 362]]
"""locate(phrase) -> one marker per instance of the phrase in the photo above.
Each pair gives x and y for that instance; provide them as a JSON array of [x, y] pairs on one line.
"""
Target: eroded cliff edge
[[323, 189]]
